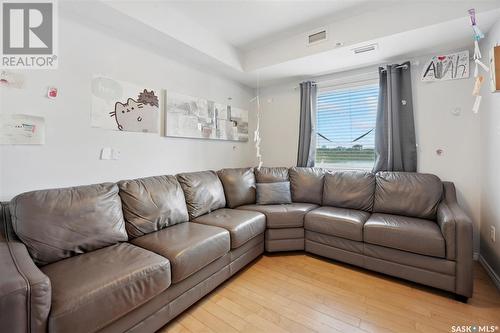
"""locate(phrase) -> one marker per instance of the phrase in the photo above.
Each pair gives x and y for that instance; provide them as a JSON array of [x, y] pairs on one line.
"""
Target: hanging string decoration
[[479, 79], [256, 134]]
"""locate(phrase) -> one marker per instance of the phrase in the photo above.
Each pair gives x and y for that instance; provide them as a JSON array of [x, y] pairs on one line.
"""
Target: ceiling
[[264, 42], [248, 23]]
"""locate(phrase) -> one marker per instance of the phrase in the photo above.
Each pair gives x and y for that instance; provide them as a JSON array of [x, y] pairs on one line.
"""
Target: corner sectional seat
[[131, 256]]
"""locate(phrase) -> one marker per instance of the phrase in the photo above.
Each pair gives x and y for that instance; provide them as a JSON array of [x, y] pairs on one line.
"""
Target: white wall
[[436, 128], [490, 161], [71, 153], [458, 136]]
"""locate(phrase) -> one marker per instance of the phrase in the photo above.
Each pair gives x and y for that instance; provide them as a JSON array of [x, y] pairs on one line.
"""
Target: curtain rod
[[342, 81], [399, 66], [319, 80], [363, 74]]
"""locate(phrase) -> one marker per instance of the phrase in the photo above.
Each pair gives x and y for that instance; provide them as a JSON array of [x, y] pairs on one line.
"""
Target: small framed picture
[[495, 69], [52, 93]]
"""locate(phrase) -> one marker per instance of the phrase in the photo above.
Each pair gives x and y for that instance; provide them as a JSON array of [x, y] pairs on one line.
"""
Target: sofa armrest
[[25, 292], [446, 221], [457, 230]]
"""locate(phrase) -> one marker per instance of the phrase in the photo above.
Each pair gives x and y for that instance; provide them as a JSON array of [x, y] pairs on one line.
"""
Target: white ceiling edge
[[163, 18], [189, 43], [100, 16], [366, 26], [453, 34], [247, 24]]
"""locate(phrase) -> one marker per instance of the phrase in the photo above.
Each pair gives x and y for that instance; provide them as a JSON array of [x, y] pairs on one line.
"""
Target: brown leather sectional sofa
[[133, 255]]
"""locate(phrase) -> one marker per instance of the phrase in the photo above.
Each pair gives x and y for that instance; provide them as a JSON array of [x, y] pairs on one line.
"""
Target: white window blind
[[346, 127]]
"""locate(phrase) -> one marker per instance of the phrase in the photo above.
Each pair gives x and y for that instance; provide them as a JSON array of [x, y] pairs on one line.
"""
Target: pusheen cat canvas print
[[194, 117], [124, 106]]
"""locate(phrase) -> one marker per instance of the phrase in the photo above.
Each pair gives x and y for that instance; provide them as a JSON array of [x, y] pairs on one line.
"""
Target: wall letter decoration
[[447, 67]]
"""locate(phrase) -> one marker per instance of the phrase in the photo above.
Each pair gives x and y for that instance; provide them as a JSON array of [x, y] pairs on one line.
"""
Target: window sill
[[344, 168]]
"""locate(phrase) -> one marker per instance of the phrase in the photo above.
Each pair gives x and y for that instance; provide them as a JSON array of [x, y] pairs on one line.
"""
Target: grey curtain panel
[[307, 130], [395, 145]]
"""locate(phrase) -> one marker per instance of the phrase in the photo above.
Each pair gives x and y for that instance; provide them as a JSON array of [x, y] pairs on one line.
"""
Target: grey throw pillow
[[273, 193]]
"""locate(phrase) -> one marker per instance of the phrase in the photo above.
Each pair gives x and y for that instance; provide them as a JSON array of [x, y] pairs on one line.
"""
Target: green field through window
[[346, 127]]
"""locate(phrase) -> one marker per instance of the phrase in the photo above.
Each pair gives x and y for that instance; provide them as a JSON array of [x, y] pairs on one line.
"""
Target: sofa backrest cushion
[[408, 193], [60, 223], [349, 189], [203, 191], [239, 186], [271, 175], [307, 184], [153, 203]]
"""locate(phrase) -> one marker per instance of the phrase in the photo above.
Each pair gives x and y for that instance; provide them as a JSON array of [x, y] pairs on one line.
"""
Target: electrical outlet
[[115, 154], [492, 233]]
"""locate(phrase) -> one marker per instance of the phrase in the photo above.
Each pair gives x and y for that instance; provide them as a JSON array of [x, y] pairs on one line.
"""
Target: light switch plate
[[106, 153], [109, 153]]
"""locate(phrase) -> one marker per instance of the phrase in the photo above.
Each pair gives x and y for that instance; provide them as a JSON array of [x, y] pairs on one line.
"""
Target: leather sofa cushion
[[334, 243], [203, 191], [340, 222], [242, 225], [433, 264], [271, 175], [239, 186], [408, 193], [273, 193], [282, 216], [349, 189], [307, 184], [153, 203], [92, 290], [188, 246], [284, 233], [60, 223], [405, 233]]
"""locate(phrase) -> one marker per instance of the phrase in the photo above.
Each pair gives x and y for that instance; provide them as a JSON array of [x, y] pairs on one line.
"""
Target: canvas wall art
[[447, 67], [20, 129], [124, 106], [193, 117]]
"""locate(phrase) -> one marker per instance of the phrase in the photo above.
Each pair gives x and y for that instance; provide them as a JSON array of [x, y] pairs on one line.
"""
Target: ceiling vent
[[317, 37], [364, 49]]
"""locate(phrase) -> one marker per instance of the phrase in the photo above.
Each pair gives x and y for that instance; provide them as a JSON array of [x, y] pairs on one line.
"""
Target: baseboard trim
[[494, 277]]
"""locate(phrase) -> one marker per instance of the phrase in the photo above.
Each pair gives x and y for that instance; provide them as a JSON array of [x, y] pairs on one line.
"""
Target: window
[[346, 127]]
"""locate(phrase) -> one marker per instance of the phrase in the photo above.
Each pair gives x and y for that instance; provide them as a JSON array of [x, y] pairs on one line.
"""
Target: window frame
[[340, 86]]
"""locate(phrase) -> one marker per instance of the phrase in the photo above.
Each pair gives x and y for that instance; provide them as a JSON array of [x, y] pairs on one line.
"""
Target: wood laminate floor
[[304, 293]]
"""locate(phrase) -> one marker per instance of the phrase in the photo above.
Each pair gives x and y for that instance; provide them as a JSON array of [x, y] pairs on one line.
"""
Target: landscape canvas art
[[124, 106], [193, 117]]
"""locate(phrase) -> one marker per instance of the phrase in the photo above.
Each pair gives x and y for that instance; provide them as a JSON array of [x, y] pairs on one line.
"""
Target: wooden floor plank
[[304, 293], [193, 324]]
